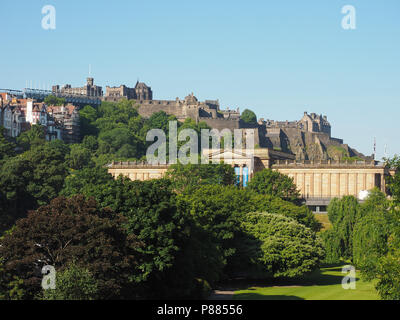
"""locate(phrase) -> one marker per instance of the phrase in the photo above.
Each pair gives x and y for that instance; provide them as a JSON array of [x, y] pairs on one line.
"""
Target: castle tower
[[143, 92]]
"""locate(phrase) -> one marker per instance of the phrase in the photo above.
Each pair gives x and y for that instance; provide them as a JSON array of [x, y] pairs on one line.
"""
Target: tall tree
[[68, 231], [275, 184], [249, 117], [280, 246]]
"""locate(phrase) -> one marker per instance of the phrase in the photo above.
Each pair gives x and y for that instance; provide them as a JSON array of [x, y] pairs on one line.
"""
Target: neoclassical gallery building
[[317, 181]]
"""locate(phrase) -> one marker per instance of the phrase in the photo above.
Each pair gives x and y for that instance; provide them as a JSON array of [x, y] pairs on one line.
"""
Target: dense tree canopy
[[275, 184], [192, 176], [343, 214], [68, 231], [54, 101], [73, 283], [220, 210], [7, 148], [393, 182], [279, 246]]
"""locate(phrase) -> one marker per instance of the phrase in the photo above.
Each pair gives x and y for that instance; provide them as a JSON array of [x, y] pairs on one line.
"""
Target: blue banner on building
[[245, 176], [237, 176]]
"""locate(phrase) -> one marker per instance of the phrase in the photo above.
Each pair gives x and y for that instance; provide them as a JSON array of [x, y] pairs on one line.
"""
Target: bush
[[73, 283]]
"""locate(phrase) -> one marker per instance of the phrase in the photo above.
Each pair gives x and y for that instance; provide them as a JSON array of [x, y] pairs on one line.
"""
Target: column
[[321, 185], [312, 185], [364, 181], [329, 185]]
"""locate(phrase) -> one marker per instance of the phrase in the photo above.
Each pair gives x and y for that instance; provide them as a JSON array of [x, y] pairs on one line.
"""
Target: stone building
[[67, 119], [318, 182], [59, 122], [207, 111], [90, 89], [140, 92]]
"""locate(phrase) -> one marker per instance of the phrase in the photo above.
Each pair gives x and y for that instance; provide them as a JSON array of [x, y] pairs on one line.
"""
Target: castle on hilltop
[[309, 123], [308, 138]]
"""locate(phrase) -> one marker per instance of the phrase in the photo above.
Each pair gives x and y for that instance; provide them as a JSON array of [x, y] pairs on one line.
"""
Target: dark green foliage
[[32, 138], [87, 116], [79, 157], [54, 101], [281, 246], [343, 214], [370, 240], [67, 231], [192, 176], [7, 148], [275, 184], [87, 181], [48, 171], [175, 248], [388, 273], [73, 283], [393, 182], [220, 210], [271, 204], [249, 117]]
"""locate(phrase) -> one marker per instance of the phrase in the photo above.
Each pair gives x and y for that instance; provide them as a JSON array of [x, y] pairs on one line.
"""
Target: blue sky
[[278, 58]]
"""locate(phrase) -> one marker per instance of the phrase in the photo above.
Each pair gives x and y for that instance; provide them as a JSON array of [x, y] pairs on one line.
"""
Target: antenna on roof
[[90, 69], [374, 148], [385, 152]]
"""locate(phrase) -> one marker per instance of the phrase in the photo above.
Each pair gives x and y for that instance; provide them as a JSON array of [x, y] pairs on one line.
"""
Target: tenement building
[[59, 122]]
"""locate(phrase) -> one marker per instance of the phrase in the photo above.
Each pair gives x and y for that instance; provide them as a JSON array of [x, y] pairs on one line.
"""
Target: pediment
[[227, 154]]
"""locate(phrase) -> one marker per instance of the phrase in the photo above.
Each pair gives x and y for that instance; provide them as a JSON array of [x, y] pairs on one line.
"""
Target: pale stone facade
[[334, 179], [137, 171], [318, 182]]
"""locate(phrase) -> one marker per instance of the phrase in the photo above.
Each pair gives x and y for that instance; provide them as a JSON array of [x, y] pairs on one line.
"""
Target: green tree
[[34, 137], [87, 116], [87, 181], [7, 148], [73, 283], [249, 117], [90, 143], [70, 230], [343, 214], [192, 175], [393, 182], [219, 210], [388, 275], [79, 157], [275, 184], [279, 246], [15, 199], [54, 101], [174, 247], [48, 171], [113, 141]]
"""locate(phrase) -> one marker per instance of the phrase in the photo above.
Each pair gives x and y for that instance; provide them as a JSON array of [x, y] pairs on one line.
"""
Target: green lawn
[[324, 284], [324, 220]]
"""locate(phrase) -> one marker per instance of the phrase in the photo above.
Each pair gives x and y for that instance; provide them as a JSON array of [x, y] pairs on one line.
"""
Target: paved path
[[222, 295]]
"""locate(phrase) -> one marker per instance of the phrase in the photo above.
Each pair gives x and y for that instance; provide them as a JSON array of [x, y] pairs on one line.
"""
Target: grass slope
[[324, 284]]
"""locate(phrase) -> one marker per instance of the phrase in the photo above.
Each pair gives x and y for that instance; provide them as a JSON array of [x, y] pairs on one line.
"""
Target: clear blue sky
[[278, 58]]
